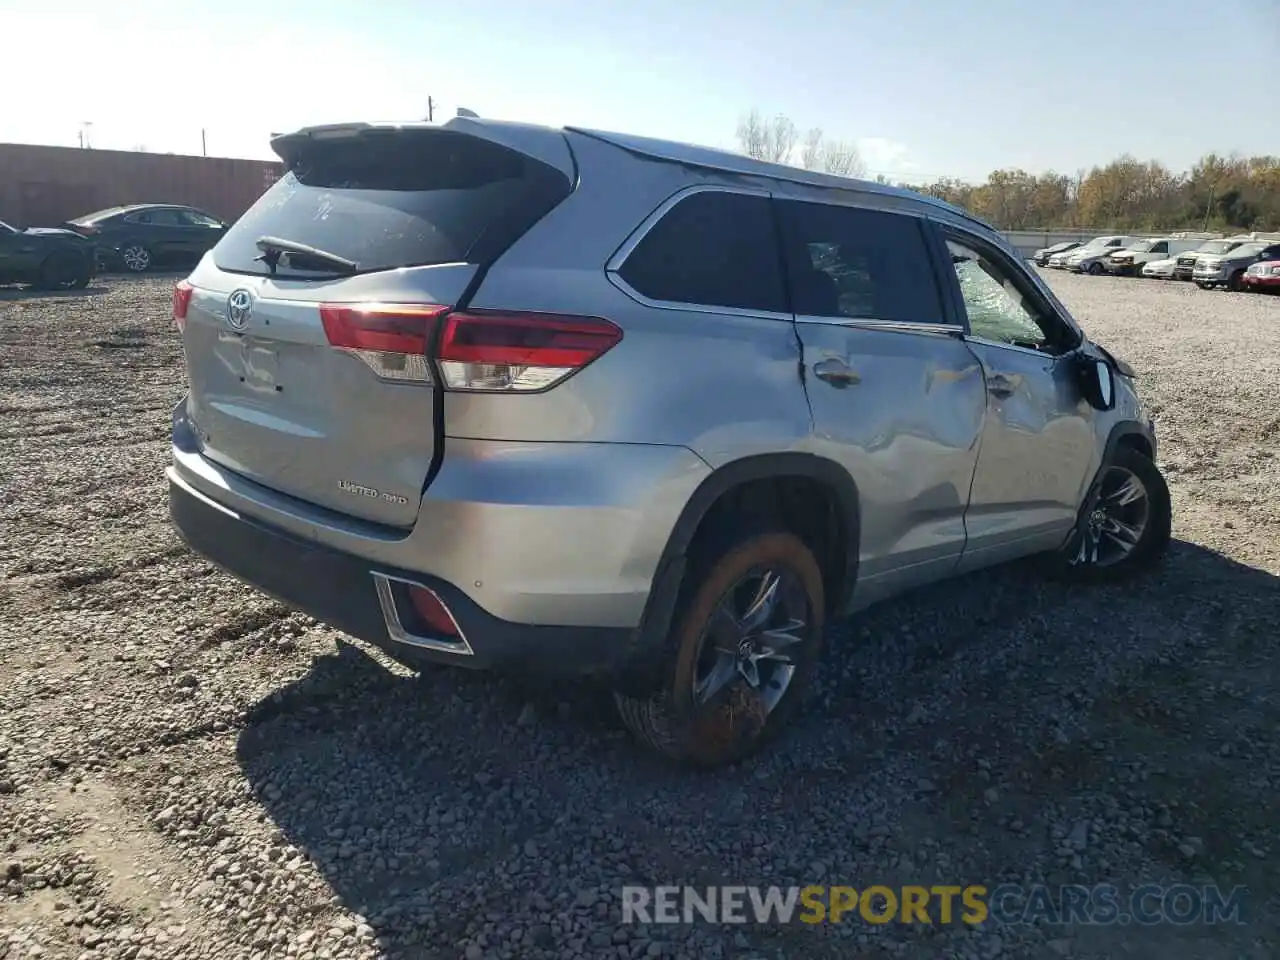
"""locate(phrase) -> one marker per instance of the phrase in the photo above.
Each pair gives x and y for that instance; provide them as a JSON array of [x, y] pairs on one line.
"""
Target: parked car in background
[[1263, 277], [1160, 269], [141, 236], [785, 424], [1041, 257], [1228, 270], [46, 257], [1130, 260], [1090, 257], [1187, 261]]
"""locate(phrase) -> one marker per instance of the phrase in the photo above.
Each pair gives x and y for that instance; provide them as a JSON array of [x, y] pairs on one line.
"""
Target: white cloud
[[887, 157]]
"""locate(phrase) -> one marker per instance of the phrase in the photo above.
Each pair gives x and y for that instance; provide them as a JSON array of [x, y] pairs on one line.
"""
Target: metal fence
[[45, 186]]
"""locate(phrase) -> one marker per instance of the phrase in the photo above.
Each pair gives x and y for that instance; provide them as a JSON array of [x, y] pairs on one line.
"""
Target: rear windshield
[[399, 199], [97, 215]]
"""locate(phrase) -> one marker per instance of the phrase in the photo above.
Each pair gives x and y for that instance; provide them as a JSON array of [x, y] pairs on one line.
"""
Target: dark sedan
[[141, 236], [1041, 257], [48, 258]]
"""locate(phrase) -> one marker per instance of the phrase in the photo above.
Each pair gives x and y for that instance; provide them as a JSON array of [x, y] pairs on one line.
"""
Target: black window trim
[[615, 262], [1026, 286], [956, 324]]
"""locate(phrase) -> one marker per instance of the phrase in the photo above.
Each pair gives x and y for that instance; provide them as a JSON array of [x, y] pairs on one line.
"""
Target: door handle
[[1000, 386], [835, 372]]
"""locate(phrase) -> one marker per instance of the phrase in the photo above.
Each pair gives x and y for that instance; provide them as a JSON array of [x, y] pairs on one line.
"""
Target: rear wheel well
[[802, 505]]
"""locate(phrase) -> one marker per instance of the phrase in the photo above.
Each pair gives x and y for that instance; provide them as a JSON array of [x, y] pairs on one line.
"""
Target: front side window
[[165, 218], [713, 248], [194, 218], [858, 263], [998, 309]]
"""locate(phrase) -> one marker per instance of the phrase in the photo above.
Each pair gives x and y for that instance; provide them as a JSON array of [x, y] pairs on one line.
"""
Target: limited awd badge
[[360, 490]]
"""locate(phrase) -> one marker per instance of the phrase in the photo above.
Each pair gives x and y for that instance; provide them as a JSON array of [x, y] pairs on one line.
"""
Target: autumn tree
[[1223, 193]]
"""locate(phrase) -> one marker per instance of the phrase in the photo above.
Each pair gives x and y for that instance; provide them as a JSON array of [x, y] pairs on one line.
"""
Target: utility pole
[[1208, 207], [431, 110], [204, 145]]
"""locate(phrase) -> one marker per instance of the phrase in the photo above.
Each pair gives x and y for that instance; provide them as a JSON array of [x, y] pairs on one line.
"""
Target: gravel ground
[[188, 769]]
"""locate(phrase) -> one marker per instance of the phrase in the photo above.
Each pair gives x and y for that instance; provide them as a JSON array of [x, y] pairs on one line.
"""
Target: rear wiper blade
[[274, 247]]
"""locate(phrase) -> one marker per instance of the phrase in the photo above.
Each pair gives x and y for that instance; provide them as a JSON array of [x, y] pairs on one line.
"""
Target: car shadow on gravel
[[27, 293], [429, 802]]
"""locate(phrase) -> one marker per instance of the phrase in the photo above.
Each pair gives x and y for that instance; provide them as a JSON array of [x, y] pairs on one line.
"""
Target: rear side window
[[712, 248], [861, 264], [396, 199]]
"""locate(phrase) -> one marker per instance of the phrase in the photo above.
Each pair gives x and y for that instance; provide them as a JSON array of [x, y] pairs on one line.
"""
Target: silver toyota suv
[[566, 401]]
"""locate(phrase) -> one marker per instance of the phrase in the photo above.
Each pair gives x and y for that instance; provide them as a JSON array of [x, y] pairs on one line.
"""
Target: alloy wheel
[[136, 258], [1115, 525], [753, 639]]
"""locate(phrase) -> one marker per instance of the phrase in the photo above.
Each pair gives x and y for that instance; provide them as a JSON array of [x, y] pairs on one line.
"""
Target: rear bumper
[[342, 590], [545, 554]]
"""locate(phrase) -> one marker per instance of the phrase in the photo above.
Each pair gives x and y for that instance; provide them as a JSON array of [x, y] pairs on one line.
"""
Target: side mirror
[[1097, 382]]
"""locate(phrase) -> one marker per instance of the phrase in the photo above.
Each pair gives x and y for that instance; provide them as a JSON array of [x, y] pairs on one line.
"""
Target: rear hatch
[[307, 328]]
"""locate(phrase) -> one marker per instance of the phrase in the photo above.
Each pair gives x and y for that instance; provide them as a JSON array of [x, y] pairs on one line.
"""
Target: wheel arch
[[1129, 433], [723, 484], [1125, 433]]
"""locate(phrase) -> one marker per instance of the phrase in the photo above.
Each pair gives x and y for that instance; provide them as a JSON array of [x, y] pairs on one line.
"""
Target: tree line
[[1222, 193]]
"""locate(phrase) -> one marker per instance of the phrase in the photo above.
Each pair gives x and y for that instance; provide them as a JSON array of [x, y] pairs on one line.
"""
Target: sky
[[926, 88]]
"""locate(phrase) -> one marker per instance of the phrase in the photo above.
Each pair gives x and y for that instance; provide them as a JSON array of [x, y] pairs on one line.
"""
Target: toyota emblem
[[239, 307]]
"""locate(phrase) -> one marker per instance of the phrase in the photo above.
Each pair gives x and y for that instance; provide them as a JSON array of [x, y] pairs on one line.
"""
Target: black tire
[[1153, 541], [1236, 283], [1095, 268], [136, 258], [1204, 286], [736, 722]]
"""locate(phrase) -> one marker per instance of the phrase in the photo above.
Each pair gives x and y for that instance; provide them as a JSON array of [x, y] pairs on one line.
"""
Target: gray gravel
[[188, 769]]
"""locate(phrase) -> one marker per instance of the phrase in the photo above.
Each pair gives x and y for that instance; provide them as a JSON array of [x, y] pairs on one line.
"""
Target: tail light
[[181, 301], [481, 350], [83, 229], [391, 338], [518, 352]]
